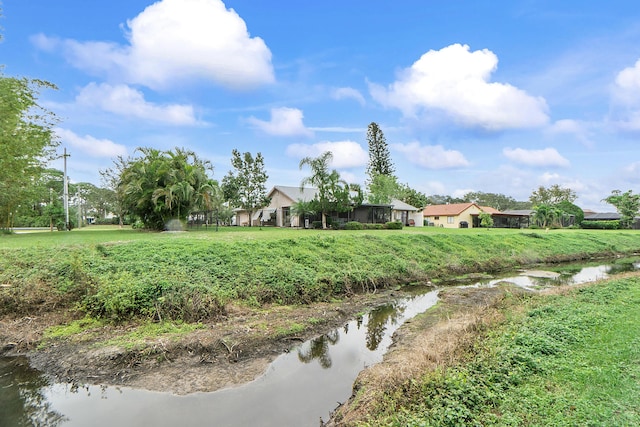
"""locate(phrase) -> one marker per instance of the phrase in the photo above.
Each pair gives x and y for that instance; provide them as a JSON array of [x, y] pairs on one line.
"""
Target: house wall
[[417, 218], [279, 201], [242, 218], [396, 215], [453, 221]]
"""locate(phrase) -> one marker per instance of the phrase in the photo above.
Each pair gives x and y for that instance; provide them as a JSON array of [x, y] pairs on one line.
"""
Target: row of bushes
[[355, 225], [601, 225]]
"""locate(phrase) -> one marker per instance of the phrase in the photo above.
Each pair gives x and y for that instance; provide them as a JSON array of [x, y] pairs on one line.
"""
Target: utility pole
[[66, 192], [79, 204], [50, 207]]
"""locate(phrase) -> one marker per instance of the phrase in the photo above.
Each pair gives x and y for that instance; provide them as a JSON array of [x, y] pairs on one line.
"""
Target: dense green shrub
[[353, 225], [602, 225], [107, 221], [373, 226], [316, 224], [137, 225], [393, 225]]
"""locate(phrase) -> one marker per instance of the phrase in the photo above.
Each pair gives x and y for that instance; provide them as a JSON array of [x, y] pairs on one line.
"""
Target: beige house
[[455, 215], [279, 212]]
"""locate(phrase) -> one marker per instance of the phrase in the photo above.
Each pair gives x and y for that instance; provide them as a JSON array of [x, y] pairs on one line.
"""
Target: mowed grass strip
[[571, 359]]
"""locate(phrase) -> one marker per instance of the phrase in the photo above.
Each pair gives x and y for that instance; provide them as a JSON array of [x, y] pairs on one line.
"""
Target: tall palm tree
[[320, 178]]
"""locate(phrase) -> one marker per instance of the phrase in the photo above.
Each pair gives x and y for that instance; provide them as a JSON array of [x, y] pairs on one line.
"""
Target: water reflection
[[379, 319], [377, 322], [318, 348], [565, 274], [293, 391], [22, 399]]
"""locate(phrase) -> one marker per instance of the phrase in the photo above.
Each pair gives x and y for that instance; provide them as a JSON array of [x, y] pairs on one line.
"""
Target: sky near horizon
[[494, 96]]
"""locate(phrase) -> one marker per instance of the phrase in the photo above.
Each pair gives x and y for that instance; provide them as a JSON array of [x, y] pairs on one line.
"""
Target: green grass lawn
[[563, 360], [112, 233]]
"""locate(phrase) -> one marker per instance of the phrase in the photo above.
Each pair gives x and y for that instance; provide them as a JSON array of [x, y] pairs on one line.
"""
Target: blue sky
[[494, 96]]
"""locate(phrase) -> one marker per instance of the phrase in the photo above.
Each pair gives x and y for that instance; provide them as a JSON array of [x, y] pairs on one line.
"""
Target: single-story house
[[602, 216], [609, 216], [513, 218], [279, 212], [455, 215]]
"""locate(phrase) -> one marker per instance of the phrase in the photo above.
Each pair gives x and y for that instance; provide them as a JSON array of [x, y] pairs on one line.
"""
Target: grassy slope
[[559, 360], [119, 274]]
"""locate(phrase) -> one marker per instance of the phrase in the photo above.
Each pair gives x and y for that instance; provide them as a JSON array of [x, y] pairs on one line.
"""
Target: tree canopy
[[552, 195], [546, 215], [245, 186], [498, 201], [412, 197], [334, 193], [27, 142], [383, 188], [627, 204], [164, 185]]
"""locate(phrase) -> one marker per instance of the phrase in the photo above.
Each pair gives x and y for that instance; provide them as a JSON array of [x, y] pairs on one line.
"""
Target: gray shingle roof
[[295, 194], [604, 216], [399, 205]]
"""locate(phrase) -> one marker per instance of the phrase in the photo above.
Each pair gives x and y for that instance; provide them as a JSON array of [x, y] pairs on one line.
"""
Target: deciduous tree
[[27, 141], [110, 180], [552, 195], [627, 204], [412, 197], [245, 186], [495, 200], [382, 189]]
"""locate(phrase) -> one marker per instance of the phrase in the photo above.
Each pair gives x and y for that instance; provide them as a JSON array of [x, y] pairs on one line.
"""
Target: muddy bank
[[230, 351]]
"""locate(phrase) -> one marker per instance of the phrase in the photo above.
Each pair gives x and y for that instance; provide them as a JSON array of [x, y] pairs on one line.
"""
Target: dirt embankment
[[230, 351]]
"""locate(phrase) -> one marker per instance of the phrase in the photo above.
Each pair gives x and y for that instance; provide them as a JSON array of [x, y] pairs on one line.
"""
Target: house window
[[450, 220], [436, 218]]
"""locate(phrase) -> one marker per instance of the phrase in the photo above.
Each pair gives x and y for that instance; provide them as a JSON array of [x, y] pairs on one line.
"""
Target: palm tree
[[546, 215], [162, 186], [303, 209], [320, 178]]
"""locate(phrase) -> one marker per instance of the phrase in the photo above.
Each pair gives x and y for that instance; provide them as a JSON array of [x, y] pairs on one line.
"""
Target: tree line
[[155, 187]]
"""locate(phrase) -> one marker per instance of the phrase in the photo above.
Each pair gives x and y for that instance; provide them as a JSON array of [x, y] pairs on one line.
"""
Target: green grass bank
[[565, 359], [125, 274]]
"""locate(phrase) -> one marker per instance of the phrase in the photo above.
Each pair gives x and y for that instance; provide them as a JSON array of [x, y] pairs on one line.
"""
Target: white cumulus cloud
[[90, 145], [627, 84], [126, 101], [432, 156], [173, 41], [346, 154], [284, 122], [548, 157], [348, 93], [456, 82], [626, 99]]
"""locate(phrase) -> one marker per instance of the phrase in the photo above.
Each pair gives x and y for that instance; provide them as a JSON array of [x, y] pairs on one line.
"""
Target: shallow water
[[298, 389]]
